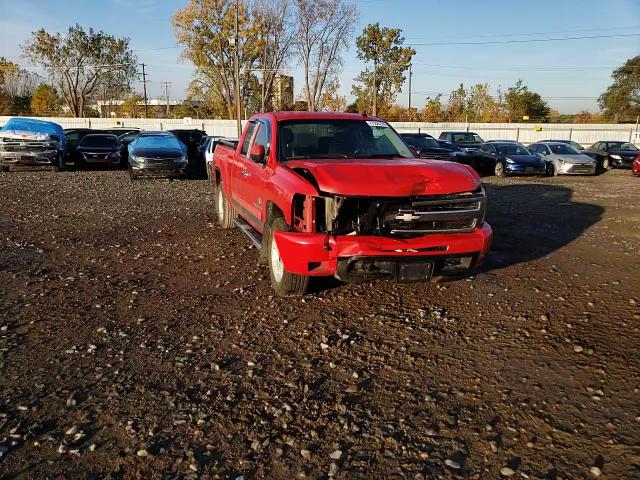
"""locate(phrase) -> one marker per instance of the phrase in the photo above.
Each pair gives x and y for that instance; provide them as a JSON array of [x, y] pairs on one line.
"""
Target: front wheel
[[132, 174], [283, 282], [551, 170], [605, 164], [59, 165], [499, 170]]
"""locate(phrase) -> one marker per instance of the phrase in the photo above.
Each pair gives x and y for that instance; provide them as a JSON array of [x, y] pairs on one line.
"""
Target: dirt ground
[[139, 340]]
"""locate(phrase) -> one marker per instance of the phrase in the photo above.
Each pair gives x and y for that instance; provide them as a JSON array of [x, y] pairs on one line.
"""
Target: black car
[[73, 137], [426, 146], [158, 153], [98, 149], [192, 138], [610, 154], [462, 141], [125, 140], [506, 158]]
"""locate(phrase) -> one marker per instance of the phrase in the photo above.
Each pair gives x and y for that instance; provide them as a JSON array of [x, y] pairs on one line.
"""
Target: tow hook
[[325, 243]]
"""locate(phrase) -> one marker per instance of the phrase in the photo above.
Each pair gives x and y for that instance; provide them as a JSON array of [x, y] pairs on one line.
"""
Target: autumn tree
[[433, 110], [132, 107], [383, 48], [81, 61], [45, 101], [621, 101], [332, 101], [206, 28], [457, 106], [520, 101], [323, 30]]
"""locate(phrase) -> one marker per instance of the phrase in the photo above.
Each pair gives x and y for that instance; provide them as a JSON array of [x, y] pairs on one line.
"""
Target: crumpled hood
[[23, 135], [395, 177]]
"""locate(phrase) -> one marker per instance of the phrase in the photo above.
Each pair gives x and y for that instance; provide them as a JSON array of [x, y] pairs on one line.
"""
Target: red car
[[325, 194], [635, 168]]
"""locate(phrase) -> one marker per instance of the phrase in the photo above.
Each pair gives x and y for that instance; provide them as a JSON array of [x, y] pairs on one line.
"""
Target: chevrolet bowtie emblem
[[408, 217]]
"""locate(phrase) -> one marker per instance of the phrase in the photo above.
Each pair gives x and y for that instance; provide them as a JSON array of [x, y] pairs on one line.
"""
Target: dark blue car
[[505, 158]]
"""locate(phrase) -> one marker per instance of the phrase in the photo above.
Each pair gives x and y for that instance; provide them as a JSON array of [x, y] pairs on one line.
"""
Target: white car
[[563, 159]]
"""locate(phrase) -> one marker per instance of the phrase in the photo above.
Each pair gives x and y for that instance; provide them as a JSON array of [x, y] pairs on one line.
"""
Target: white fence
[[585, 134]]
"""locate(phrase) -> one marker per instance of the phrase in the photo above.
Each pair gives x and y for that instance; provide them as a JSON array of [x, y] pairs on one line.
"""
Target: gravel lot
[[139, 340]]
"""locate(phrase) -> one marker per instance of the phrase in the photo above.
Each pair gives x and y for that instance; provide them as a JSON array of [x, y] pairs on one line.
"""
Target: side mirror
[[257, 154]]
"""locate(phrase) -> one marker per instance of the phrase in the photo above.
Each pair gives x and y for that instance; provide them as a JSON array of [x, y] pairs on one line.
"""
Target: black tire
[[59, 166], [284, 283], [5, 169], [132, 174], [498, 170], [551, 170], [226, 213]]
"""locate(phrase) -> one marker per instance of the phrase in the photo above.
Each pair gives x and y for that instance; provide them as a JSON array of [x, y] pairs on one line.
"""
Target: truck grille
[[436, 156], [440, 214], [31, 146]]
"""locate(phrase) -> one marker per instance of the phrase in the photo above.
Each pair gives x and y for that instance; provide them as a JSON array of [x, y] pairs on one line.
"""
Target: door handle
[[245, 173]]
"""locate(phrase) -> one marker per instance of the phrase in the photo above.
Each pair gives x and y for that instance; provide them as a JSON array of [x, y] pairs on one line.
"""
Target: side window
[[262, 136], [73, 137], [534, 148], [247, 138], [485, 149]]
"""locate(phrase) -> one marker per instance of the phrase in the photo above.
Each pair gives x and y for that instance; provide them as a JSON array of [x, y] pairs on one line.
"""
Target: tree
[[481, 106], [332, 101], [323, 28], [384, 48], [457, 106], [132, 107], [520, 101], [81, 62], [207, 30], [275, 41], [621, 101], [45, 101], [433, 110]]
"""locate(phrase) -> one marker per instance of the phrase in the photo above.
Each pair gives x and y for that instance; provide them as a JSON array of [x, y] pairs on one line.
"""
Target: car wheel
[[59, 166], [283, 282], [132, 174], [551, 169], [605, 164], [499, 170], [226, 213], [5, 169]]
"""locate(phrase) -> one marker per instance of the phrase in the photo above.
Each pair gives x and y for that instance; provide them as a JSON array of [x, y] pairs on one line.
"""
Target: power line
[[530, 40]]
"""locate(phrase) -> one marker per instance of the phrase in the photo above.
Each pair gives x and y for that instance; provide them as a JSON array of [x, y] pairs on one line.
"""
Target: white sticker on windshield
[[376, 123]]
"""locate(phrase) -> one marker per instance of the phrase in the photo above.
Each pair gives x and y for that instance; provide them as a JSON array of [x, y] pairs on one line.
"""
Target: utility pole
[[166, 86], [144, 83], [375, 89], [237, 72], [410, 75]]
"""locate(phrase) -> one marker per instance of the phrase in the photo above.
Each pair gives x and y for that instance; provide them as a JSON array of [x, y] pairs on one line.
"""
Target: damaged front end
[[405, 239]]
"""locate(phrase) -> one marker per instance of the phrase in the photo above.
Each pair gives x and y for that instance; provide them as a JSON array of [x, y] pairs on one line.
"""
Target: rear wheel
[[283, 282], [226, 213], [499, 170]]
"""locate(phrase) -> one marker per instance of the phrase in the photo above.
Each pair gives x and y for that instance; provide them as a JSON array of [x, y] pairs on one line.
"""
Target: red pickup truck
[[327, 194]]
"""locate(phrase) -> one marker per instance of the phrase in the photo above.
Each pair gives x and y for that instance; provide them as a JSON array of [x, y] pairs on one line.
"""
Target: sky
[[570, 74]]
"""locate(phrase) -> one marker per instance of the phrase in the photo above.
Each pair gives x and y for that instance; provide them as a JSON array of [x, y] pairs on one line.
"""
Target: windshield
[[99, 141], [512, 149], [466, 137], [339, 139], [622, 146], [421, 142], [563, 149], [159, 141]]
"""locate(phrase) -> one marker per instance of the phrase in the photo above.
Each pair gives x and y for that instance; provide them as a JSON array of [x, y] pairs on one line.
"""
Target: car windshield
[[512, 149], [625, 146], [158, 141], [563, 149], [421, 142], [466, 137], [576, 145], [99, 141], [316, 138]]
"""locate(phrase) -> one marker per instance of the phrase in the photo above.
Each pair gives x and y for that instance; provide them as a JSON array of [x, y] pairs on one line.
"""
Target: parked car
[[125, 140], [26, 141], [563, 159], [575, 145], [73, 137], [426, 146], [119, 131], [506, 158], [610, 154], [463, 141], [326, 194], [157, 153], [209, 144], [192, 139], [635, 169], [100, 149]]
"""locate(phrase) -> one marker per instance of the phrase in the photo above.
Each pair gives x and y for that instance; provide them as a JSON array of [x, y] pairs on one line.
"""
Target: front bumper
[[577, 169], [519, 169], [170, 169], [26, 158], [356, 258], [623, 162], [97, 159]]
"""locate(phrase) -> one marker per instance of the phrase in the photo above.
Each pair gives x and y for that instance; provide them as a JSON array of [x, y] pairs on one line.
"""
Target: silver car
[[563, 159]]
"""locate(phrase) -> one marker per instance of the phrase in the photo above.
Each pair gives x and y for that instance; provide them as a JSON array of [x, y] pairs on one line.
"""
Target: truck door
[[255, 173]]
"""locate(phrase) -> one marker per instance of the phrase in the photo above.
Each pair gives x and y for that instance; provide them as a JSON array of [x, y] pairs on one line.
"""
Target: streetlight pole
[[237, 73]]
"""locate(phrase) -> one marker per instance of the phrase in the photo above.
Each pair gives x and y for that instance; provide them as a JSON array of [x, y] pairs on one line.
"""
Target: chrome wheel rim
[[499, 169], [276, 262]]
